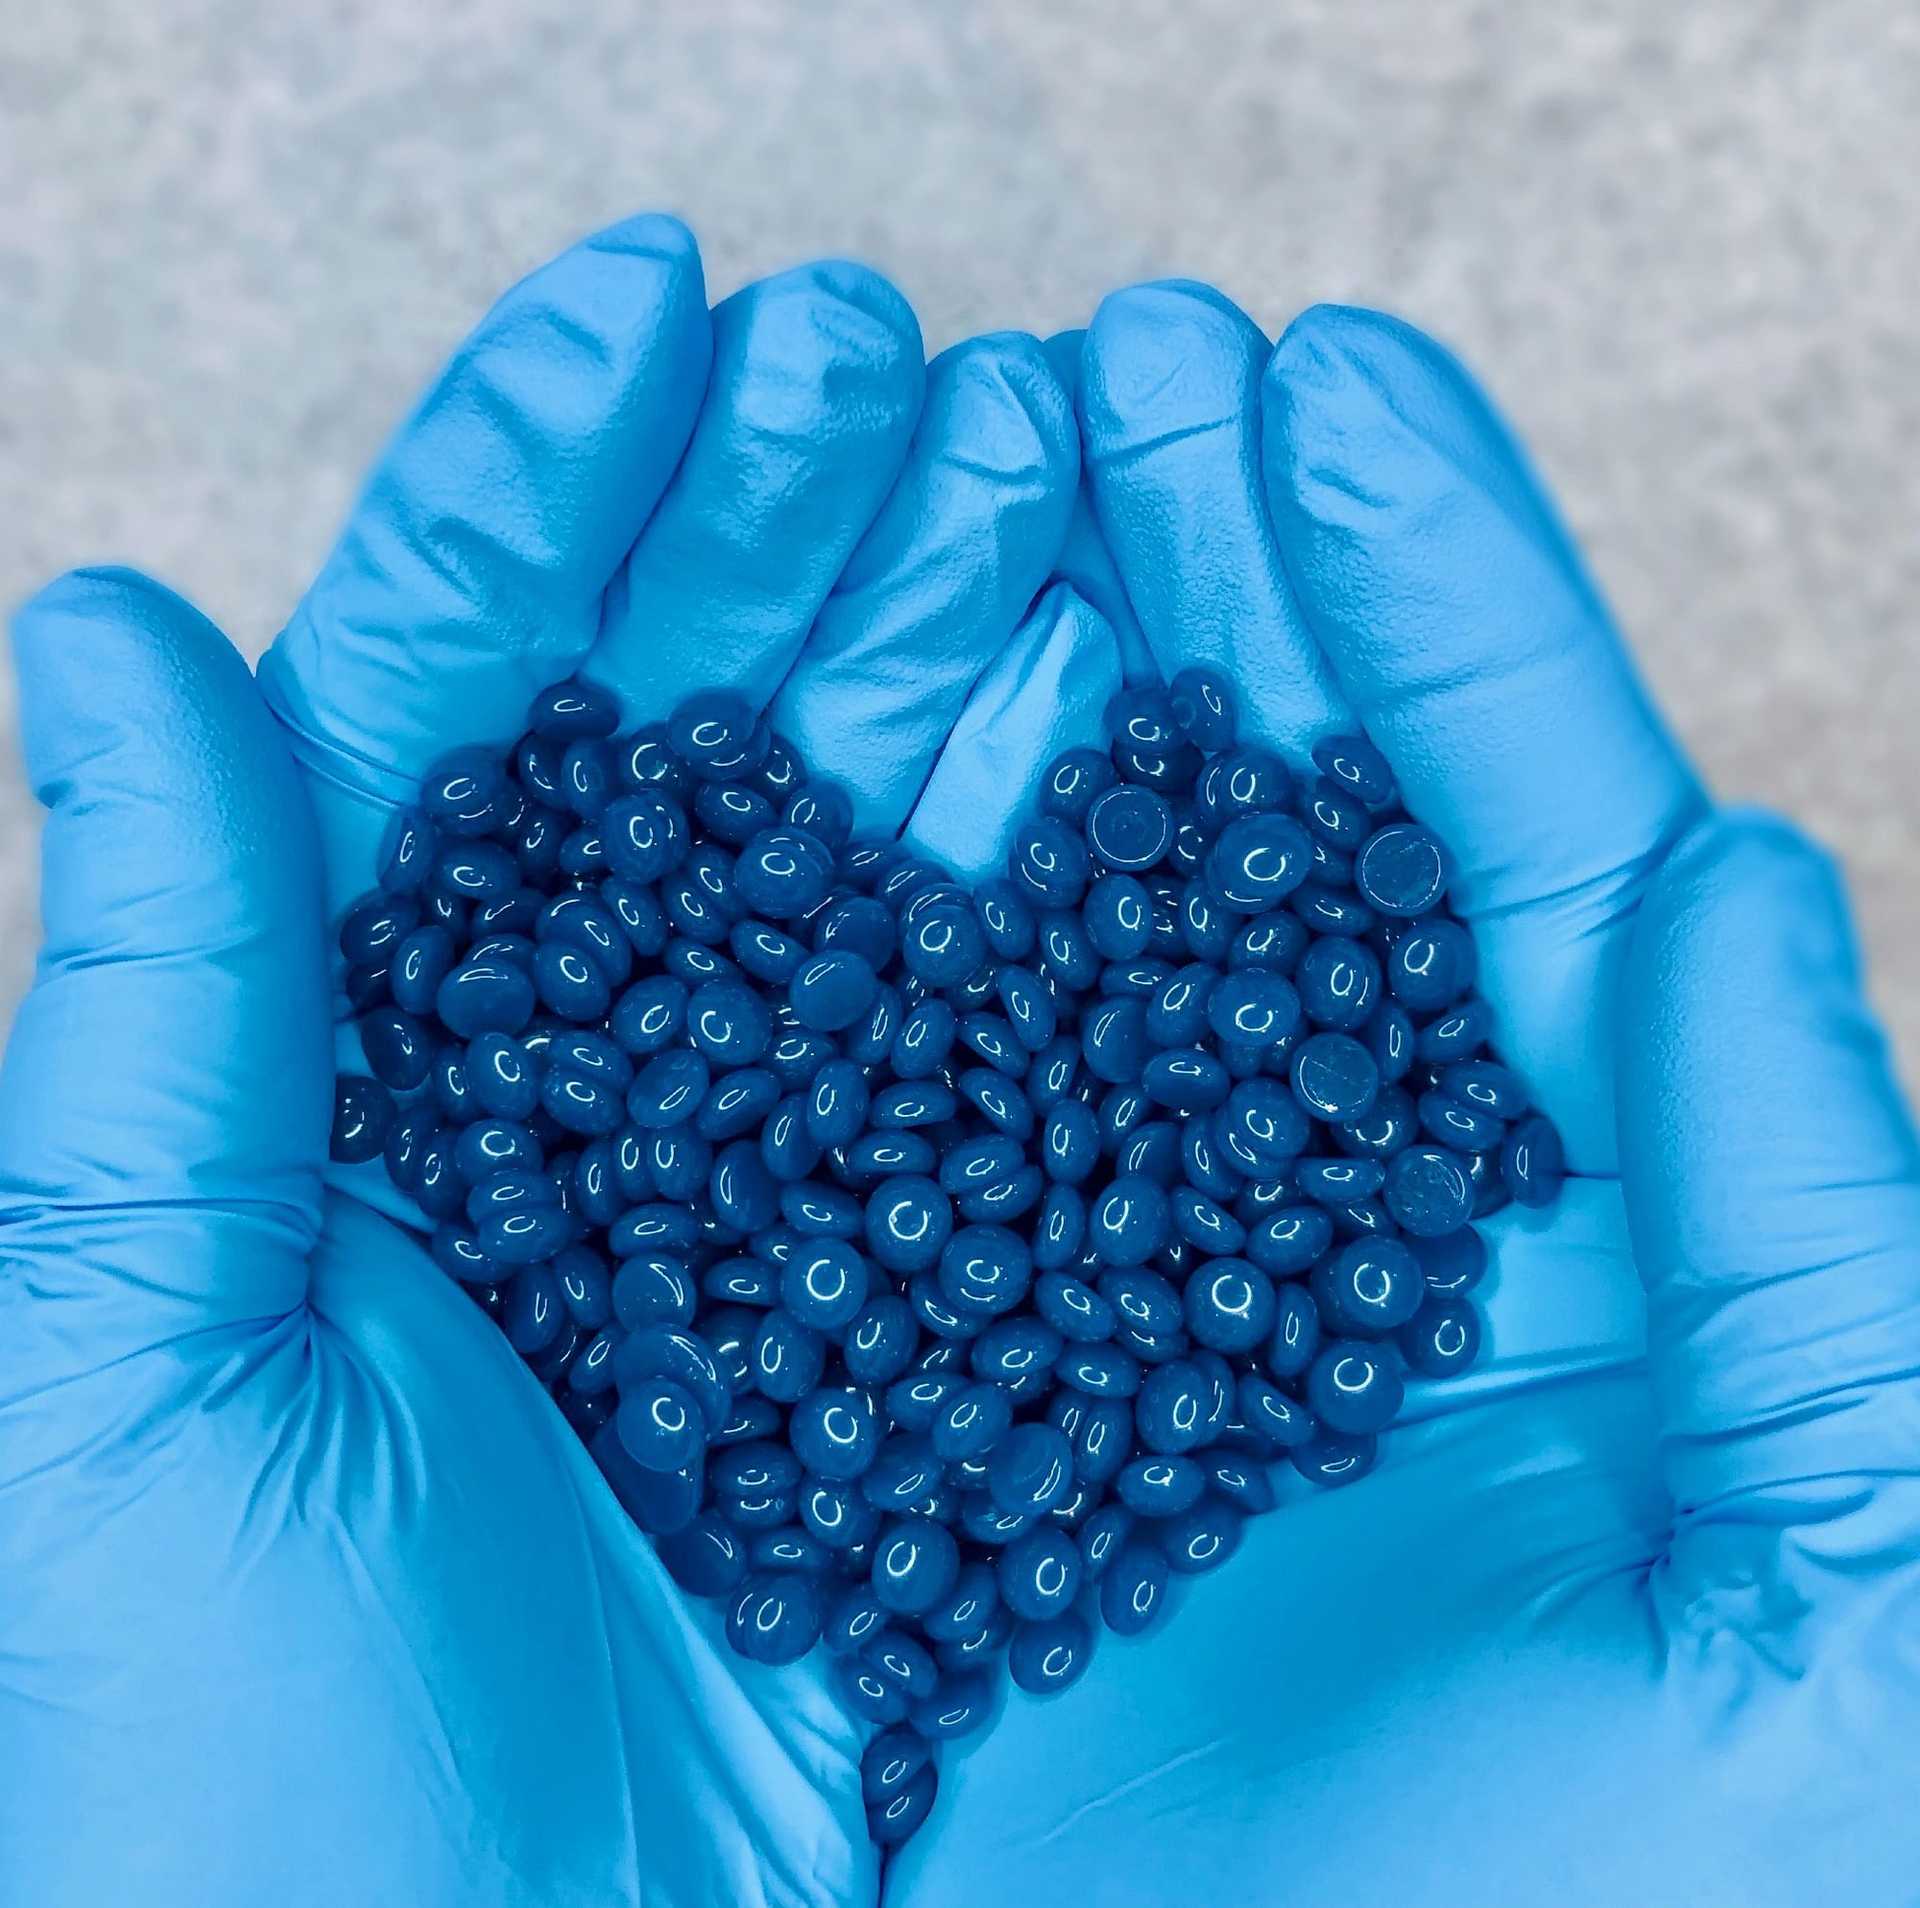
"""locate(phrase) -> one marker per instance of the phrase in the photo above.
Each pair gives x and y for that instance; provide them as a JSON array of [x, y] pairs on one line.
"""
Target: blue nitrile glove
[[1632, 1613], [307, 1593]]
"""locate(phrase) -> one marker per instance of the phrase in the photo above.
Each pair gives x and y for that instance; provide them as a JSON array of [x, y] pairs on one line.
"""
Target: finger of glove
[[1170, 416], [166, 1094], [933, 591], [1084, 559], [816, 384], [1773, 1186], [1478, 657], [1048, 691], [472, 571]]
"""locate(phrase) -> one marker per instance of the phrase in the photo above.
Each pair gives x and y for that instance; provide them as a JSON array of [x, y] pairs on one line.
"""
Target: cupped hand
[[1630, 1612], [310, 1593]]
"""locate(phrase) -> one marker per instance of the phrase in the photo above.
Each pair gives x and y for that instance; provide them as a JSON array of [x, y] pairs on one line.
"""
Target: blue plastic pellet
[[668, 1090], [1441, 1340], [1161, 1486], [486, 996], [1428, 1190], [880, 1155], [643, 921], [375, 926], [742, 1281], [1170, 1413], [1129, 1222], [1073, 781], [765, 952], [986, 1267], [729, 1023], [943, 945], [1354, 1388], [775, 1617], [1279, 1421], [923, 1040], [1295, 1336], [915, 1563], [825, 1283], [1370, 1287], [1059, 1231], [462, 793], [659, 1424], [1208, 1227], [1456, 1033], [1066, 951], [717, 735], [909, 1220], [1401, 870], [1203, 1538], [835, 1432], [1386, 1128], [731, 812], [1048, 861], [788, 1148], [1133, 1589], [735, 1104], [990, 1038], [1257, 861], [1204, 708], [1339, 983], [1030, 1012], [1006, 919], [1229, 1305], [1130, 828], [1015, 1351], [363, 1118], [1459, 1123], [1039, 1574], [832, 990], [1070, 1143], [1356, 765], [1532, 1162], [1144, 1300], [1178, 1016], [1263, 1128], [1334, 1077], [1119, 917], [407, 851], [835, 1514], [1187, 1079], [1002, 1102], [782, 873], [1431, 966], [1168, 769], [891, 1762], [971, 1422]]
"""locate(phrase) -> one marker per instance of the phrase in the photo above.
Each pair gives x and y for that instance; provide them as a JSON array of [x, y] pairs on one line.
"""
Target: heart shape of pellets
[[934, 1272]]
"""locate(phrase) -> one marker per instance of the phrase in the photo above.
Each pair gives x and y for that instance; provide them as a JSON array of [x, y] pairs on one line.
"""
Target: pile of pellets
[[936, 1271]]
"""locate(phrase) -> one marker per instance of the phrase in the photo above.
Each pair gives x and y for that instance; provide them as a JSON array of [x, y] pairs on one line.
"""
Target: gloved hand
[[1631, 1613], [309, 1594]]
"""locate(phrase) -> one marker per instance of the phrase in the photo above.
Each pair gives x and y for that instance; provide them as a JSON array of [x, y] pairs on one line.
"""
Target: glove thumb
[[164, 1105]]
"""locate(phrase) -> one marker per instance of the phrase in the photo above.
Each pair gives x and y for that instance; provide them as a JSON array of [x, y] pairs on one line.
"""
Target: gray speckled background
[[1681, 243]]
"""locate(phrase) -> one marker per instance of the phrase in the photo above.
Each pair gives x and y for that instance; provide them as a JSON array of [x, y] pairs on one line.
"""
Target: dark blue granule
[[938, 1274]]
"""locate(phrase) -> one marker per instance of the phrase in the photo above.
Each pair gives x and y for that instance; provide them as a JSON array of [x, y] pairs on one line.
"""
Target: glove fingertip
[[1018, 421], [1171, 355], [659, 235], [109, 658]]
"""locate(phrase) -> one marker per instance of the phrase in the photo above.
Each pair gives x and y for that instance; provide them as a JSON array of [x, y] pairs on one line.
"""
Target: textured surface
[[1681, 253]]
